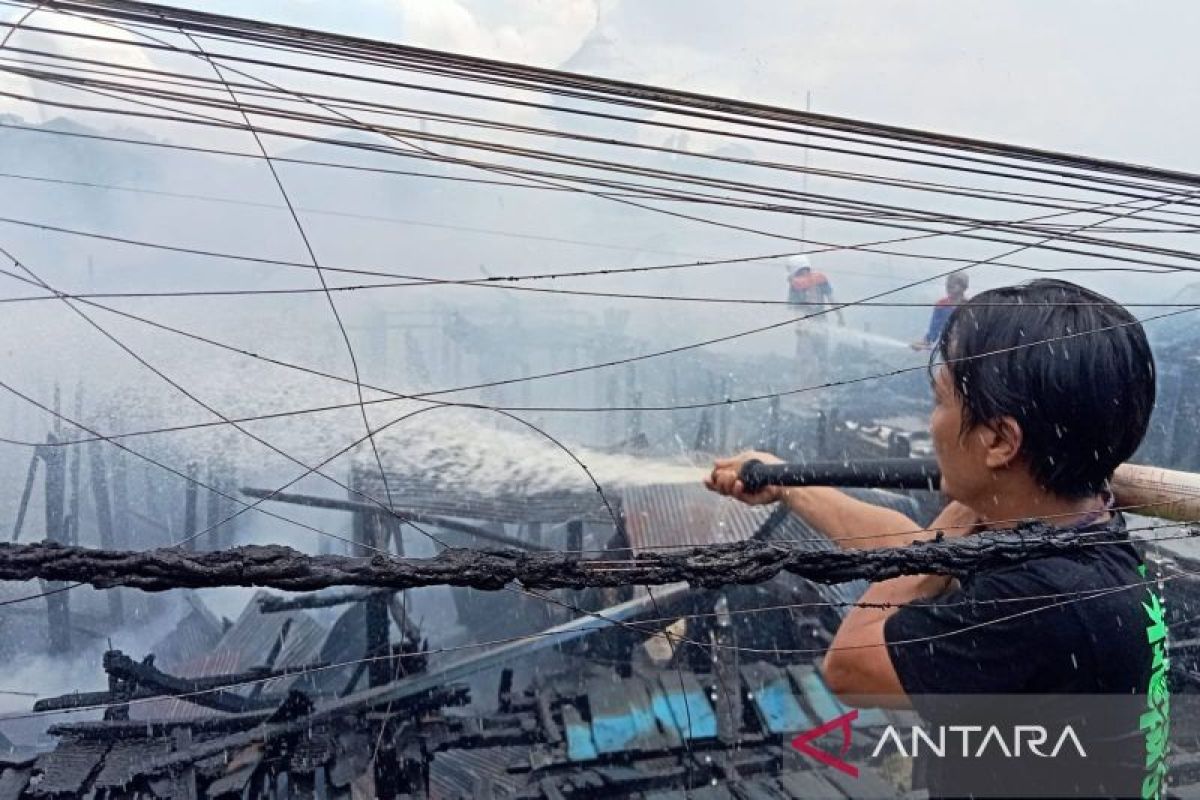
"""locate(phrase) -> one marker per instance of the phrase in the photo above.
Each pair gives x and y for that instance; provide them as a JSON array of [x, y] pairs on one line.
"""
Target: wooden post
[[104, 521], [58, 607], [212, 510], [119, 480], [190, 523], [575, 536], [23, 505], [76, 456], [228, 505], [166, 531], [371, 535]]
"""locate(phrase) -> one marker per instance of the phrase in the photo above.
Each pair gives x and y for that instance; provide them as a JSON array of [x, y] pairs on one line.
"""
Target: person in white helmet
[[812, 295]]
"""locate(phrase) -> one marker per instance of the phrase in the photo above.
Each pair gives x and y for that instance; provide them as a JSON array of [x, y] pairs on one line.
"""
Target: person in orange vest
[[956, 295], [812, 293]]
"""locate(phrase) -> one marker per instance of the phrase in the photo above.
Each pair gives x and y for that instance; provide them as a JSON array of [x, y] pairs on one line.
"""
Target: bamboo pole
[[1156, 492]]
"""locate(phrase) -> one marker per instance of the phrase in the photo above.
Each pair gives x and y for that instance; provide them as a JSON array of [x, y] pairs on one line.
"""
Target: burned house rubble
[[261, 706]]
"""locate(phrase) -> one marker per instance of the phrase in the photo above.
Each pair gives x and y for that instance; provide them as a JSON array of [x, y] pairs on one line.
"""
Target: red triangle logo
[[802, 742]]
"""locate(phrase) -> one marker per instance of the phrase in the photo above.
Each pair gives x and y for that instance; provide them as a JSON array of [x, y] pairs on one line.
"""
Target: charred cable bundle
[[748, 562]]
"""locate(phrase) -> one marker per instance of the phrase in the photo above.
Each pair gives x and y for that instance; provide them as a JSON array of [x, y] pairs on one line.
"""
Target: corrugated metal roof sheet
[[673, 515], [670, 516], [195, 636], [466, 773], [126, 760], [66, 769], [249, 643]]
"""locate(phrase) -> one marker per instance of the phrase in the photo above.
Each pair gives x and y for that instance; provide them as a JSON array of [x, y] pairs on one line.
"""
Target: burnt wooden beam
[[747, 562], [154, 728], [26, 493], [75, 700], [272, 728], [199, 691], [314, 501]]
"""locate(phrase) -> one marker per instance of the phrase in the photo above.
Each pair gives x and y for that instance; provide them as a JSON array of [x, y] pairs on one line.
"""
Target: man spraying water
[[956, 294], [1040, 391]]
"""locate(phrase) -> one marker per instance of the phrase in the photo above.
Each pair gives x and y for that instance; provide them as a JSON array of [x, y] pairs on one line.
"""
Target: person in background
[[811, 292], [956, 295]]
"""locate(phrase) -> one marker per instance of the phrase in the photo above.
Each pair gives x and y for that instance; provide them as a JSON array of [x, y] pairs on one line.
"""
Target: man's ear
[[1002, 439]]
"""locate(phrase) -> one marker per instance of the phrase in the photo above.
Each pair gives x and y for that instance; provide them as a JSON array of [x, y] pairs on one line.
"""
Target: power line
[[484, 71]]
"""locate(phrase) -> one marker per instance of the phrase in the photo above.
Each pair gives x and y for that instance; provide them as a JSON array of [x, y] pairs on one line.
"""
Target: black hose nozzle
[[877, 473]]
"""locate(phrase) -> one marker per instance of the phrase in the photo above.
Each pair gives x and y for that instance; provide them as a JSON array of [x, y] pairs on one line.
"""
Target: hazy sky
[[1105, 78]]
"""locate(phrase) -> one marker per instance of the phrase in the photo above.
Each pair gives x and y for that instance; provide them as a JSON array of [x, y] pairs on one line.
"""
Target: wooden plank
[[824, 703], [670, 731], [621, 716], [689, 705], [580, 746], [656, 737], [774, 699]]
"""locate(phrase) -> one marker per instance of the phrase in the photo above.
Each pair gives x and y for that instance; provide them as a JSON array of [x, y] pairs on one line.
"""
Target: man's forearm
[[857, 664], [853, 524]]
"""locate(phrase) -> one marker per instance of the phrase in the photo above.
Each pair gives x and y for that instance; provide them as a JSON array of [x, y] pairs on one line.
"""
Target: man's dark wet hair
[[1083, 402]]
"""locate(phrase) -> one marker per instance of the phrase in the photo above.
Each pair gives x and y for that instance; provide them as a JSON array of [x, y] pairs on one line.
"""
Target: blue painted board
[[774, 699], [622, 718], [688, 705], [825, 704], [580, 746]]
